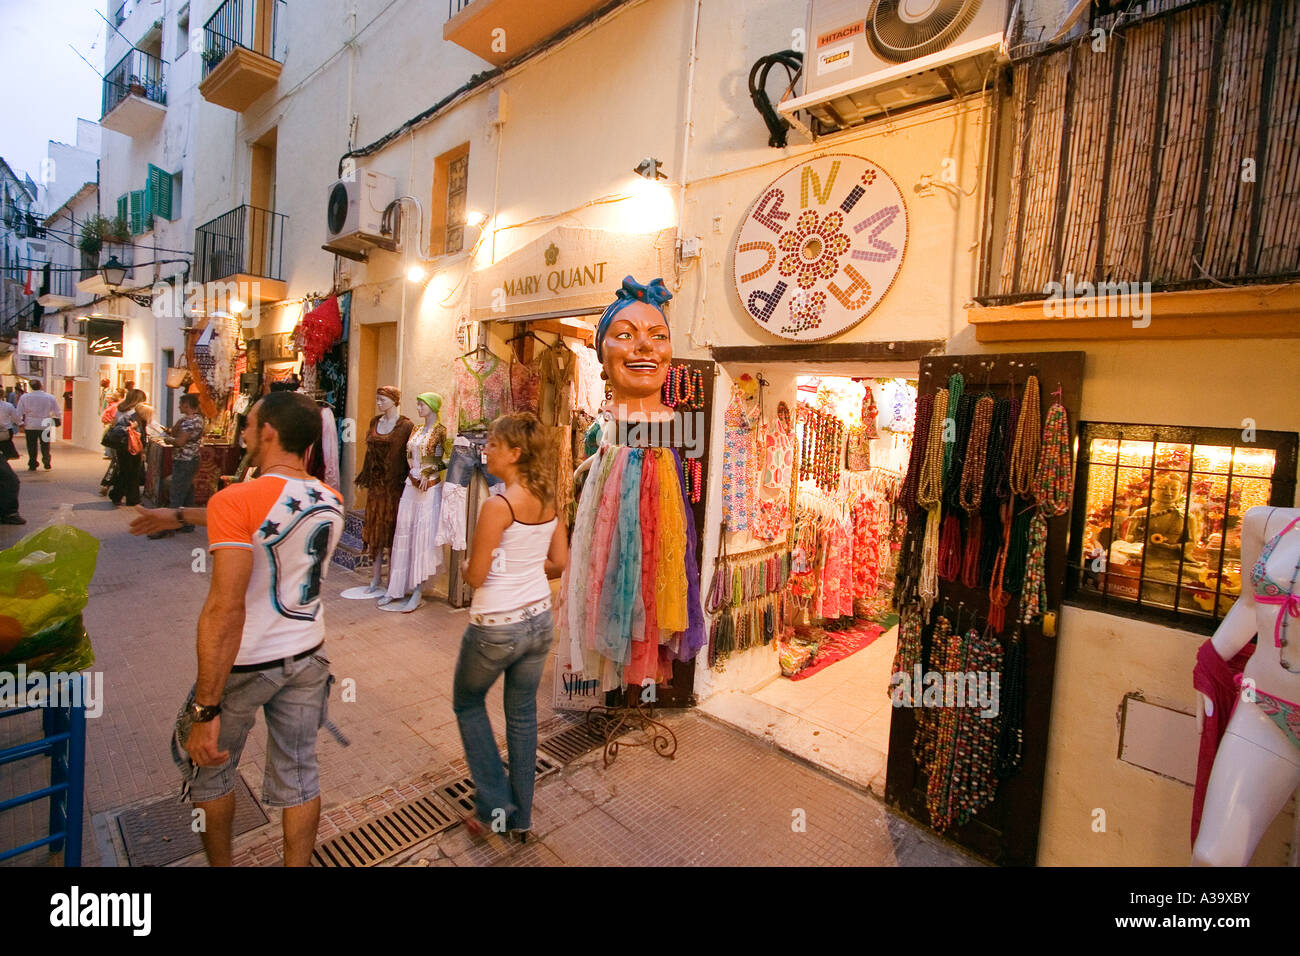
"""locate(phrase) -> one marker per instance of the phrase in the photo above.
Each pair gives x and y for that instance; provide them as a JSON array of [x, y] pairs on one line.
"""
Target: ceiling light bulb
[[416, 273], [236, 306], [475, 218]]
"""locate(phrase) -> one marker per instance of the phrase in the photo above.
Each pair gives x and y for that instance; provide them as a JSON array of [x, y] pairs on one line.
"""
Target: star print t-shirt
[[291, 526]]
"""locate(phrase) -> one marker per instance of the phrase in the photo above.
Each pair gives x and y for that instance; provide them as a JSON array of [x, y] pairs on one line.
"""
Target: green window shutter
[[138, 212], [122, 208], [158, 193]]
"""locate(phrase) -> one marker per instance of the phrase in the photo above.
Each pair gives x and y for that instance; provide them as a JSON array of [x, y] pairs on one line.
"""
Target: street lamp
[[113, 272]]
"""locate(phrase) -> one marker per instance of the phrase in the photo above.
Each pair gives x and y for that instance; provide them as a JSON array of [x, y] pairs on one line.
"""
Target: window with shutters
[[158, 194], [124, 207], [177, 180], [141, 220], [447, 210]]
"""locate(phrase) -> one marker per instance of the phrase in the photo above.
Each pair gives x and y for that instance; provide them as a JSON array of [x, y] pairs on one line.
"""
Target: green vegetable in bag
[[43, 590]]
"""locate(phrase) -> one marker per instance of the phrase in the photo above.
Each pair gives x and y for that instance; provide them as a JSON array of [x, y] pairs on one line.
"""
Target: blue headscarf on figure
[[654, 293]]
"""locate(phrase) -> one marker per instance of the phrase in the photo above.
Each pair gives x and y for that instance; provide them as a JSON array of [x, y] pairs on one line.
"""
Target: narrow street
[[725, 799]]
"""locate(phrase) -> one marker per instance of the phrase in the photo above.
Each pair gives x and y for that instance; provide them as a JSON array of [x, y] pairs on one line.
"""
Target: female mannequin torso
[[1257, 766]]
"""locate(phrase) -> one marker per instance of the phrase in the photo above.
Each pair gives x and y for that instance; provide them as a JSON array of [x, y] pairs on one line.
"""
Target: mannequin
[[632, 597], [1257, 766], [383, 475], [414, 557]]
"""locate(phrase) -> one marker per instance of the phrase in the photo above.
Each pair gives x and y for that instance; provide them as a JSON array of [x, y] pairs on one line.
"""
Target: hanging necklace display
[[970, 492], [1024, 453], [1052, 485], [929, 491], [1011, 734]]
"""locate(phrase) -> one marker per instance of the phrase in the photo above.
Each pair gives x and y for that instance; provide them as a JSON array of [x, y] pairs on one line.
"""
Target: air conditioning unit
[[870, 57], [355, 210]]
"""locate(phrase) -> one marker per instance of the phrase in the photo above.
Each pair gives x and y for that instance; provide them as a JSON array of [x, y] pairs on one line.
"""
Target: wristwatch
[[180, 516], [201, 715]]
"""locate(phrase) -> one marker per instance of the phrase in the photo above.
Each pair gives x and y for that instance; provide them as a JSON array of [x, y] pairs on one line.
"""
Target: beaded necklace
[[956, 384], [970, 490], [1053, 481], [1012, 699], [907, 494], [929, 487], [1024, 452]]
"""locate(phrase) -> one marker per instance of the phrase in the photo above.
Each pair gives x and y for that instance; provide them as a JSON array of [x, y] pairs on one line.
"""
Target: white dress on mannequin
[[415, 556]]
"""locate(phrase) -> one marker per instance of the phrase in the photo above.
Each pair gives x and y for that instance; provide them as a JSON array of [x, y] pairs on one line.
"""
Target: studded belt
[[512, 617]]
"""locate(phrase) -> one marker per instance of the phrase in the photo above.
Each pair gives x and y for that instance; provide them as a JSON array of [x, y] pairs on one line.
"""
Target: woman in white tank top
[[519, 544]]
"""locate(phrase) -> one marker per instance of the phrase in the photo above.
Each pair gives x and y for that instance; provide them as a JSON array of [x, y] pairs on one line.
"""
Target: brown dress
[[383, 474]]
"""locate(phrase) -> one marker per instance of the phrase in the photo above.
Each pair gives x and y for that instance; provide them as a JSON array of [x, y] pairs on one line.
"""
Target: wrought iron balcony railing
[[139, 74], [251, 24], [245, 241]]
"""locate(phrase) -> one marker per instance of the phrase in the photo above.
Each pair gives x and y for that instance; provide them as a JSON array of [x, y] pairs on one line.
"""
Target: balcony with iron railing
[[244, 246], [1152, 178], [135, 95], [90, 277], [501, 30], [242, 52]]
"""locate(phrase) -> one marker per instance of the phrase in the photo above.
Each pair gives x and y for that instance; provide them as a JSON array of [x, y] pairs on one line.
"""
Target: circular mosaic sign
[[820, 247]]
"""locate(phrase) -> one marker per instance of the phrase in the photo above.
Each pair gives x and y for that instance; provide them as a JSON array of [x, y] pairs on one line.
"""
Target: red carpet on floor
[[839, 645]]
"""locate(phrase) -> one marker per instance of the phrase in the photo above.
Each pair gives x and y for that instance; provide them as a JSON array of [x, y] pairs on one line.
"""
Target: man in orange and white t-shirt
[[261, 633]]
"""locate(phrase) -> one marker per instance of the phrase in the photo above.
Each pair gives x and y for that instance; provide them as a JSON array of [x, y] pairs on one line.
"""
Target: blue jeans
[[466, 459], [519, 651], [182, 490]]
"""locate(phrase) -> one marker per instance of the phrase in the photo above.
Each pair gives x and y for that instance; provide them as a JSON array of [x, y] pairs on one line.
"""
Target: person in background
[[113, 398], [40, 413], [132, 412], [184, 436], [518, 544], [9, 482]]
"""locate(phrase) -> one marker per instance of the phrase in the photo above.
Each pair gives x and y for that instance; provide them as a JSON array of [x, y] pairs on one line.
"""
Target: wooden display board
[[1006, 832]]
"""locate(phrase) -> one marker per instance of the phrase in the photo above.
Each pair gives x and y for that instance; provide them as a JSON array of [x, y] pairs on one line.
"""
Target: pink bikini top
[[1268, 591]]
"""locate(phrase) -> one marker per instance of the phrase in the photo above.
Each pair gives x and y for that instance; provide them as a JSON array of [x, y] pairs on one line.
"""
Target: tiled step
[[350, 552]]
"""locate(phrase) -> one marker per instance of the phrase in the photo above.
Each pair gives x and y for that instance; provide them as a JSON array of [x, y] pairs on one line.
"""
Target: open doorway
[[821, 688]]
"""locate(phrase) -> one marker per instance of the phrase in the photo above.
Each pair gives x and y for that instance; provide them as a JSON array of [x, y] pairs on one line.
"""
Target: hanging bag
[[134, 445]]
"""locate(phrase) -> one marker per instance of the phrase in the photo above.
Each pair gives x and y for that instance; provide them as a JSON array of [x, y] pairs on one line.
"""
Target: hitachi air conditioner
[[869, 57], [355, 210]]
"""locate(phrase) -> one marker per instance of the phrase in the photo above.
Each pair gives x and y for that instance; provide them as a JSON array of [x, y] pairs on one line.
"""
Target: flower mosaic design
[[806, 311], [813, 246]]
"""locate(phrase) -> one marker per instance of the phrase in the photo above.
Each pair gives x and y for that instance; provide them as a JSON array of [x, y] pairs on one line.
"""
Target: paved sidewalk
[[727, 797]]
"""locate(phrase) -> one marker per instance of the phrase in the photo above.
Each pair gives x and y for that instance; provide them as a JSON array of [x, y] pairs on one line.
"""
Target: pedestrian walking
[[10, 422], [110, 412], [261, 634], [184, 436], [40, 414], [131, 417], [9, 483], [518, 545]]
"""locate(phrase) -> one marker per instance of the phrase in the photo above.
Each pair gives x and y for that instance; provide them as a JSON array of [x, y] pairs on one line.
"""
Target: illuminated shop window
[[1156, 531]]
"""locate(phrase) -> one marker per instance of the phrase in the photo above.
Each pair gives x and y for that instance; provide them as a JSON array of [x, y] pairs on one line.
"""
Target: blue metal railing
[[236, 24], [245, 241], [139, 74]]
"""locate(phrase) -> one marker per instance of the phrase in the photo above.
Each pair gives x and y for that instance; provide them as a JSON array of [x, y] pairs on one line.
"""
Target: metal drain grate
[[547, 766], [376, 840], [162, 832], [459, 793], [571, 744]]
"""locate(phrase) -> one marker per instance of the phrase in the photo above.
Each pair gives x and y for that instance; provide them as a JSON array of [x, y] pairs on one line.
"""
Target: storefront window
[[1157, 522]]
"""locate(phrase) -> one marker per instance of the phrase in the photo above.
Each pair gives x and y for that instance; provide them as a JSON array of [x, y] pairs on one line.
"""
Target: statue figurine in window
[[1169, 533]]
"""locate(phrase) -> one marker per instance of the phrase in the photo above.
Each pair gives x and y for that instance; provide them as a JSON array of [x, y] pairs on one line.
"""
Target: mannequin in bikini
[[1257, 766]]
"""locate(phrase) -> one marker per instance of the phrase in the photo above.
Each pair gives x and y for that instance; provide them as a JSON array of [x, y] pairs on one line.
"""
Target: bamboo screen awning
[[1173, 156]]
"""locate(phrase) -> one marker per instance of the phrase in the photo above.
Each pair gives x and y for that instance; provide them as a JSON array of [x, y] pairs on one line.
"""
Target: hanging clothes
[[482, 392], [525, 385], [589, 387], [558, 368], [738, 461], [329, 445]]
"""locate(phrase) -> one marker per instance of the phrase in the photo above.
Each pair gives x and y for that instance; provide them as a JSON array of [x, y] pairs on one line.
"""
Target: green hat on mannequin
[[432, 399]]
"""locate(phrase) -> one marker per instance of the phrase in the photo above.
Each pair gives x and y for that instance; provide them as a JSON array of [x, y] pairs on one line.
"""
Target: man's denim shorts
[[293, 695]]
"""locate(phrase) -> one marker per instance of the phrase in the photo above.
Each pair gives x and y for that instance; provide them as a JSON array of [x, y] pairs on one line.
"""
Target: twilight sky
[[44, 86]]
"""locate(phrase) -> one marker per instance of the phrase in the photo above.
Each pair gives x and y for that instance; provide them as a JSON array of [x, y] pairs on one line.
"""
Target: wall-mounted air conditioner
[[870, 57], [354, 212]]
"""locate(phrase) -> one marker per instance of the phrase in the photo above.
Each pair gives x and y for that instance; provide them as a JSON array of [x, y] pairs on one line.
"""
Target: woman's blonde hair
[[536, 462]]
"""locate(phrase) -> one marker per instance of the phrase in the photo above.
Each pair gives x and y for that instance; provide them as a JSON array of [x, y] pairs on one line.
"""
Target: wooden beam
[[907, 351], [1262, 311]]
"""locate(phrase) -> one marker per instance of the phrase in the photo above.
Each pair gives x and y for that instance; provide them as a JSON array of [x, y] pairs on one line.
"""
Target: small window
[[182, 32], [1156, 531], [447, 210], [176, 196]]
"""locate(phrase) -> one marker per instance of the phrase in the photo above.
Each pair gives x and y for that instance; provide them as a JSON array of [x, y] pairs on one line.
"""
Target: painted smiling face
[[637, 351]]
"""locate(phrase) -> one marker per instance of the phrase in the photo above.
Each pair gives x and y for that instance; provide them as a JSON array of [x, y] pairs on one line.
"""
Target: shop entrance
[[821, 684]]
